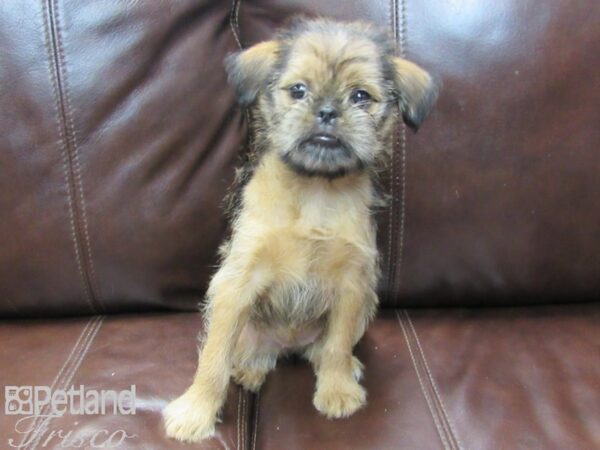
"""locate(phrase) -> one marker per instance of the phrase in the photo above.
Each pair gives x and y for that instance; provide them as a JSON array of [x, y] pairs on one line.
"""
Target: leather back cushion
[[118, 138]]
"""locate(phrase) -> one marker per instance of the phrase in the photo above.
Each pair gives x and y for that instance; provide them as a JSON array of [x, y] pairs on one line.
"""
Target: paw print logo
[[18, 400]]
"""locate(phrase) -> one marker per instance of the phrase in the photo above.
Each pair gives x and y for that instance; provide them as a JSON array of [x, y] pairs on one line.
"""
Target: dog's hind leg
[[254, 357]]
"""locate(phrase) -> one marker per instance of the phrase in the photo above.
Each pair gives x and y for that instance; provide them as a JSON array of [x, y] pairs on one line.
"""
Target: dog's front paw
[[189, 419], [339, 399]]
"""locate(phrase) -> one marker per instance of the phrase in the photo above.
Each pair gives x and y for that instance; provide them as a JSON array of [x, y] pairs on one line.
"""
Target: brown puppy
[[300, 270]]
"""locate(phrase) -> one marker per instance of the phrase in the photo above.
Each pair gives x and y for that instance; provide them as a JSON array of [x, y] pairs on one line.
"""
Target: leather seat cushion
[[521, 378], [484, 379], [156, 353]]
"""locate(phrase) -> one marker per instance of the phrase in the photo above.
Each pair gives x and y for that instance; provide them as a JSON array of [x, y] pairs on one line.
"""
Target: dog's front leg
[[192, 416], [338, 392]]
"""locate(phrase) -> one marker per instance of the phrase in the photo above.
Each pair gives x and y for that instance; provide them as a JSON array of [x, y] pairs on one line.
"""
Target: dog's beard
[[300, 144], [310, 159]]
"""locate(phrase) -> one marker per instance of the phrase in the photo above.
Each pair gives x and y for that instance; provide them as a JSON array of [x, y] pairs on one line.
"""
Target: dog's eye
[[298, 91], [360, 96]]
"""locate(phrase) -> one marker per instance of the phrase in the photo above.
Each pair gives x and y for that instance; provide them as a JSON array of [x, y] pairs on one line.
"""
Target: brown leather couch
[[118, 140]]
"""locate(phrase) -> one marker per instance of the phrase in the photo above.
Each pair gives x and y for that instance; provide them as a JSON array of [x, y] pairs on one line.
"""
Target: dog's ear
[[416, 91], [248, 70]]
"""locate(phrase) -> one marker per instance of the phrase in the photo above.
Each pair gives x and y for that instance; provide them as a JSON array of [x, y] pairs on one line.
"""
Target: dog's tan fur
[[300, 270]]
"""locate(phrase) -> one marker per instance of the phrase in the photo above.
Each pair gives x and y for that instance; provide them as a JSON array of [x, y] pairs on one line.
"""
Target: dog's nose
[[327, 114]]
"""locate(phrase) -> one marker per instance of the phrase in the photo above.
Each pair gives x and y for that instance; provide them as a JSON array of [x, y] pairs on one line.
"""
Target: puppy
[[300, 270]]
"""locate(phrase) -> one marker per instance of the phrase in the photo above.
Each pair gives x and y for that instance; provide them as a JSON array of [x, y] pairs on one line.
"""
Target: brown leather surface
[[517, 378], [156, 353], [119, 137], [484, 379], [521, 378], [502, 185], [118, 142]]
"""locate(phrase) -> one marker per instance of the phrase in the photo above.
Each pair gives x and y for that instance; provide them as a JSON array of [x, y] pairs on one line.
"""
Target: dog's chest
[[292, 304], [308, 261], [309, 239]]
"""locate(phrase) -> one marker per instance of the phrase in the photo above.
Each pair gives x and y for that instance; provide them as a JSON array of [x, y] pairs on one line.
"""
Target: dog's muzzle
[[325, 140]]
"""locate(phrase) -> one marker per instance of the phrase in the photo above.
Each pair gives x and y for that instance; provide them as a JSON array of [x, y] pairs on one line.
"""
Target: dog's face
[[328, 92]]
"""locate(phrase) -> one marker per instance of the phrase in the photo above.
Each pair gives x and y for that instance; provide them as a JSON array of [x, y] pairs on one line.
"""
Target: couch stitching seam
[[398, 278], [430, 406], [75, 348], [55, 83], [234, 21], [453, 433], [256, 410], [402, 138], [239, 408], [244, 417], [76, 163], [71, 372], [390, 236]]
